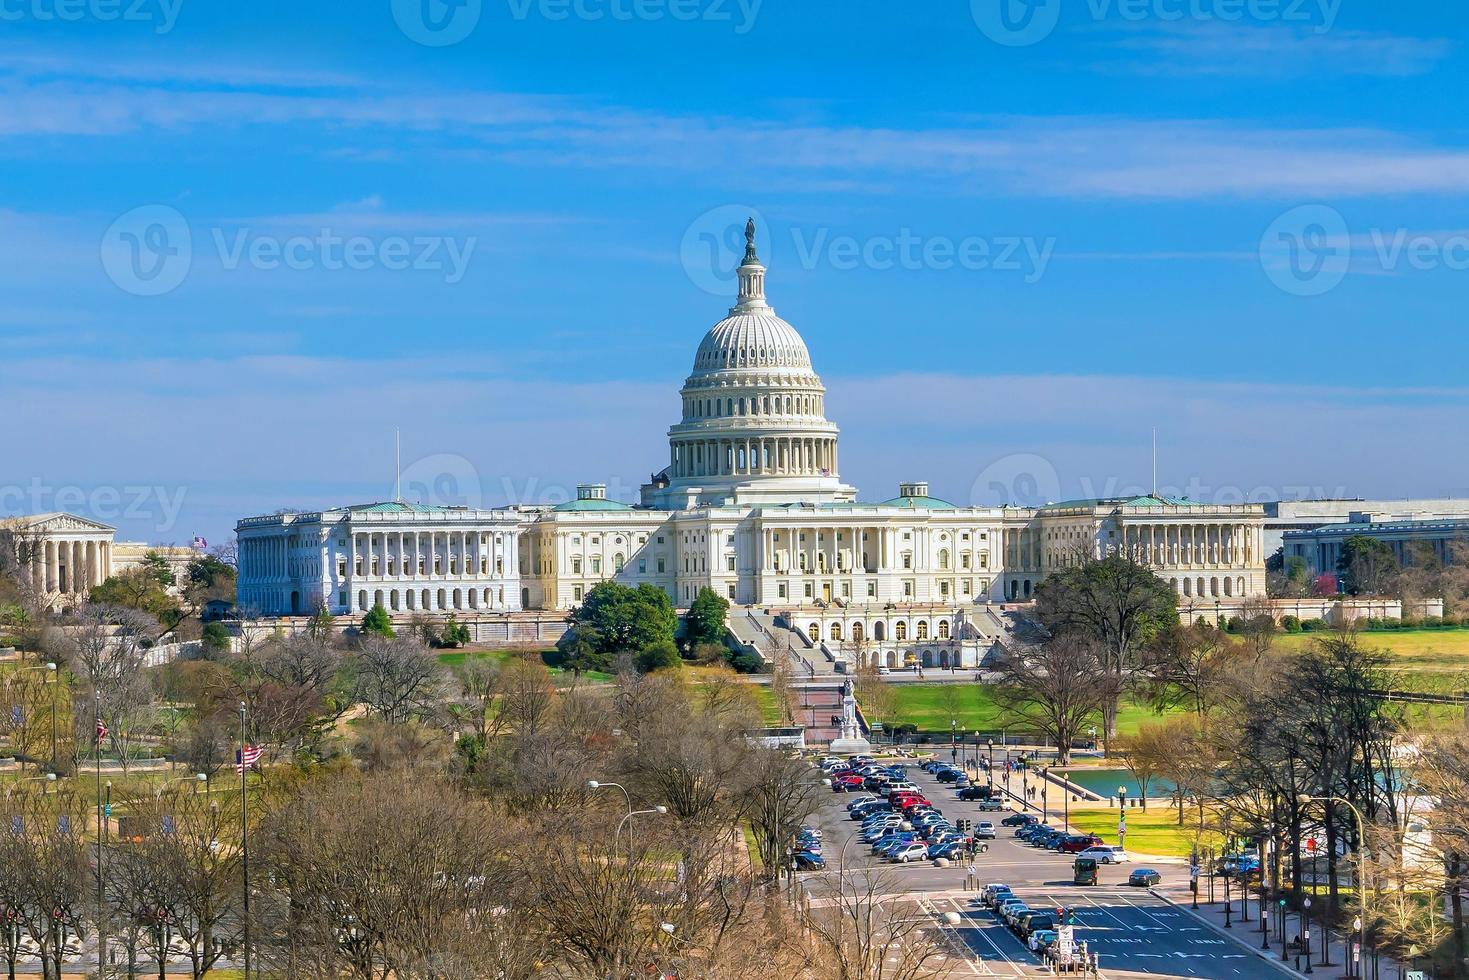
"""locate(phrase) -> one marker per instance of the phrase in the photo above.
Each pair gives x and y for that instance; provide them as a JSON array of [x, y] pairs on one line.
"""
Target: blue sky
[[242, 242]]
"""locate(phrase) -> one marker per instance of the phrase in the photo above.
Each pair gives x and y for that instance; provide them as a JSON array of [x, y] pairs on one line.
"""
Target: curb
[[1268, 957]]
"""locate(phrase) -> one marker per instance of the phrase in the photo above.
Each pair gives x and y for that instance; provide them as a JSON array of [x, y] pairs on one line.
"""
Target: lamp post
[[1228, 906], [1306, 932], [1359, 924], [990, 775], [1045, 801], [953, 745], [617, 834], [1355, 963], [55, 676]]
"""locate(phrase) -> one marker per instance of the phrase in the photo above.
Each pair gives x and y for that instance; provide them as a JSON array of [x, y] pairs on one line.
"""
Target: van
[[1084, 871]]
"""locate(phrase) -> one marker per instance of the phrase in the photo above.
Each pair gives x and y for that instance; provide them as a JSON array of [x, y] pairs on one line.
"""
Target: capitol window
[[576, 566]]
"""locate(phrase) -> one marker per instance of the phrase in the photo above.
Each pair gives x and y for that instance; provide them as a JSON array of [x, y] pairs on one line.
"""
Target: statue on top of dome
[[750, 255]]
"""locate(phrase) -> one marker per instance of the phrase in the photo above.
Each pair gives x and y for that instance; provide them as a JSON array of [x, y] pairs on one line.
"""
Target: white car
[[912, 852], [1104, 854]]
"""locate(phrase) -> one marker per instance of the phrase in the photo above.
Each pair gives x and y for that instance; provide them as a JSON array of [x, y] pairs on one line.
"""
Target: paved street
[[1136, 932]]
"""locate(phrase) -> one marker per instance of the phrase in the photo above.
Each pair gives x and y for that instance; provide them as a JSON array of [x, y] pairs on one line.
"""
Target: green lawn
[[769, 710], [1155, 831], [1412, 651], [929, 707], [457, 658]]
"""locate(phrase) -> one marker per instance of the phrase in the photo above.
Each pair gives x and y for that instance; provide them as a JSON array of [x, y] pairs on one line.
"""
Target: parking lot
[[1136, 932]]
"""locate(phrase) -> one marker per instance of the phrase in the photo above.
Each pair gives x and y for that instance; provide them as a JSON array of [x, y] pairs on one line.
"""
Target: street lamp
[[1358, 924], [1355, 964], [1045, 805], [953, 749], [617, 834], [1306, 932], [55, 676], [990, 772]]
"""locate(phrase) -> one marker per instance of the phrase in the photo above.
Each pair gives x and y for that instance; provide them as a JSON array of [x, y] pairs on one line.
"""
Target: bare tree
[[1055, 687], [397, 678], [1195, 666], [779, 793], [868, 930]]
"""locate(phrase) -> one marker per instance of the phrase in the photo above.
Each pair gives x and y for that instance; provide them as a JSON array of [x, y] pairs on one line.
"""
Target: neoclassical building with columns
[[750, 504], [61, 554]]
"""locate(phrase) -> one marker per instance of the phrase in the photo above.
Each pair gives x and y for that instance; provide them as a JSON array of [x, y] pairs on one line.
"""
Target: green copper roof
[[919, 503], [591, 503], [397, 507]]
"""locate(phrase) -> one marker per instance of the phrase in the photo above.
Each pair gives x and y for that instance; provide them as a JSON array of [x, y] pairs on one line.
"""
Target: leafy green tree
[[583, 648], [626, 619], [1367, 566], [157, 566], [216, 637], [376, 622], [455, 633], [323, 625], [661, 655], [705, 621], [139, 588], [1115, 603]]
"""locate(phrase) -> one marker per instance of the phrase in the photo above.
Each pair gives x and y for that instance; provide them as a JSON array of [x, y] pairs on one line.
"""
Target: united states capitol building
[[750, 504]]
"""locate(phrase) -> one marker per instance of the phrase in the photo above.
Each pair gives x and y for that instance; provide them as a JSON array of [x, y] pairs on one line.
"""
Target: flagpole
[[245, 838], [101, 827]]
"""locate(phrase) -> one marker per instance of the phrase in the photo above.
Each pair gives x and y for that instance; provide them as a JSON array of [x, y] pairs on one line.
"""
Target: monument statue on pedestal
[[850, 739]]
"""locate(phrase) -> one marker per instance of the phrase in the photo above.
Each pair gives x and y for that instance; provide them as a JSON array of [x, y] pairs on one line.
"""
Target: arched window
[[814, 632], [943, 629], [618, 561], [923, 629], [859, 633], [900, 630], [879, 630], [944, 558], [836, 631]]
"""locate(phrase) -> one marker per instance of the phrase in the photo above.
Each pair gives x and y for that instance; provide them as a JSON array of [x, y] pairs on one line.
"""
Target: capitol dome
[[754, 424]]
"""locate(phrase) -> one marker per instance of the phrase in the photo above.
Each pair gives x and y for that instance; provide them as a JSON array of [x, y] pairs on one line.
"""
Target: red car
[[904, 796], [1076, 843], [843, 783]]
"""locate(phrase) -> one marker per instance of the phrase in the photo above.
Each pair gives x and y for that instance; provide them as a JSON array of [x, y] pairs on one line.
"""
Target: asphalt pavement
[[1136, 931]]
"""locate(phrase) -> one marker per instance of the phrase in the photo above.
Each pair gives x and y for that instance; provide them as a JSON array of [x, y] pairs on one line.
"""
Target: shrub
[[1314, 625], [1290, 623], [659, 655], [455, 633], [747, 663]]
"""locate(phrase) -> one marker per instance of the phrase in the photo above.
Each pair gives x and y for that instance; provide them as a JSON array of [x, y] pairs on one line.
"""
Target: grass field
[[1427, 658], [932, 706], [1155, 831], [457, 658]]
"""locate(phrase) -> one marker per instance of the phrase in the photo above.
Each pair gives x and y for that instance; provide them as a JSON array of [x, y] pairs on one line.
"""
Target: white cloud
[[1094, 157]]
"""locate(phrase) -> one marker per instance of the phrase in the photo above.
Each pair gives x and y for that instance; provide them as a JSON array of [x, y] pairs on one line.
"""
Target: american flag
[[101, 731], [200, 543], [247, 757]]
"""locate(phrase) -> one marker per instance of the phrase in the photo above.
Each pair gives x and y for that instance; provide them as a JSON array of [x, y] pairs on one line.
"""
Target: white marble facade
[[751, 505]]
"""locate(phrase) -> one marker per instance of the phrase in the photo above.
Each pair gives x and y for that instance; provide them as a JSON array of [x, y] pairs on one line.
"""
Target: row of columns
[[763, 456], [70, 566], [265, 557], [407, 547], [1193, 544]]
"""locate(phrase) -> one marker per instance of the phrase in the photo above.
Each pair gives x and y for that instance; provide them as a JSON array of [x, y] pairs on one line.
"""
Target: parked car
[[809, 861], [844, 783], [993, 804], [1019, 820], [984, 831], [992, 894], [1034, 921], [951, 849], [1144, 877], [948, 775], [975, 792], [1103, 854], [911, 852], [1076, 843]]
